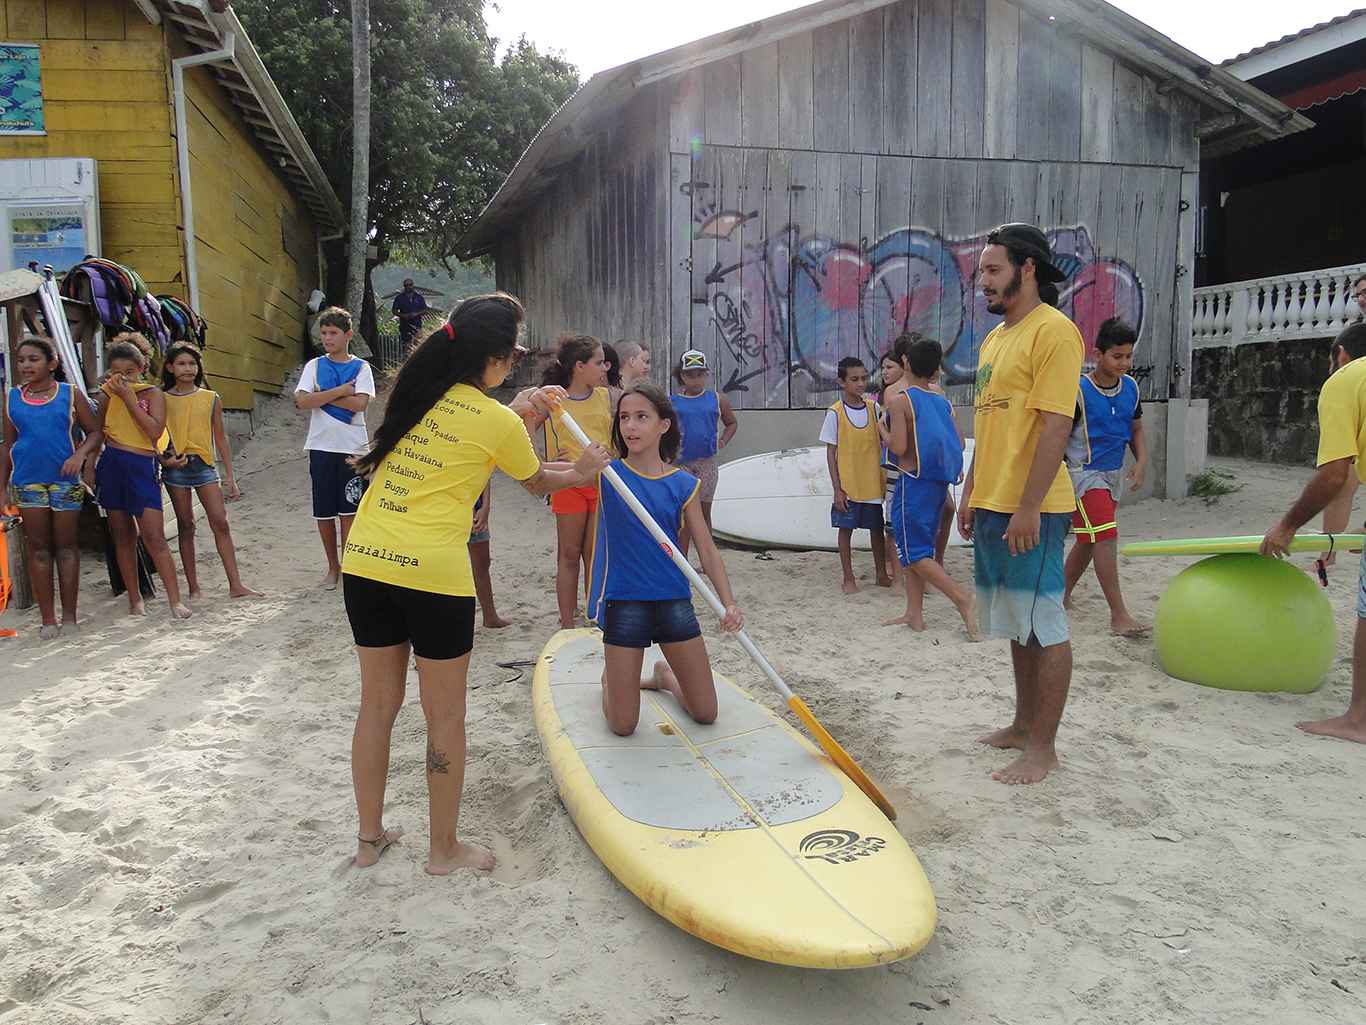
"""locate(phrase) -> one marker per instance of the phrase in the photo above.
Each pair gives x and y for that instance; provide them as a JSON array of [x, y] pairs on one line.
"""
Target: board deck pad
[[740, 832]]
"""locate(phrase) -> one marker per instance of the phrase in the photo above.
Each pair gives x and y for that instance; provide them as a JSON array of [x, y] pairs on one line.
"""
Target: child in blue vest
[[701, 412], [929, 447], [335, 388], [44, 417], [1108, 421], [636, 593]]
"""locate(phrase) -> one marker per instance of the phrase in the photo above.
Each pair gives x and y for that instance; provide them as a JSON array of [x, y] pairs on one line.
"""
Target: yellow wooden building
[[124, 82]]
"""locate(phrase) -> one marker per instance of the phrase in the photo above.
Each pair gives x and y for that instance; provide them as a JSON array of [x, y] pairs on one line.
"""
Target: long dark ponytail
[[481, 328], [573, 349]]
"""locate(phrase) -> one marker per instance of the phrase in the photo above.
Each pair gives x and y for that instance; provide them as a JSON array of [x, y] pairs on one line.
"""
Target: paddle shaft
[[667, 543]]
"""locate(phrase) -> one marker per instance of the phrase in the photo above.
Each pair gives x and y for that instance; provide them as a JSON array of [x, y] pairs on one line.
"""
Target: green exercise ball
[[1245, 622]]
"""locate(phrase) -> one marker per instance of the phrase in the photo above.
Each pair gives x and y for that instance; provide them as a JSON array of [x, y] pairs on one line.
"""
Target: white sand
[[177, 816]]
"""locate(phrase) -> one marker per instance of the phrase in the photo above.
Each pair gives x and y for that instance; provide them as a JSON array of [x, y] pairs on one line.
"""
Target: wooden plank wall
[[106, 87], [589, 255], [107, 95], [251, 290]]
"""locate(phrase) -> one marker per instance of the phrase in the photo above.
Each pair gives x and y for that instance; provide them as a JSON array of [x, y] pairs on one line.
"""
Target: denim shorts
[[61, 496], [195, 473], [638, 624], [858, 516]]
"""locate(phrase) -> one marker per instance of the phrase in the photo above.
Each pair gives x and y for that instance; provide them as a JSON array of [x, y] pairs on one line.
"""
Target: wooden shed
[[806, 187], [185, 128]]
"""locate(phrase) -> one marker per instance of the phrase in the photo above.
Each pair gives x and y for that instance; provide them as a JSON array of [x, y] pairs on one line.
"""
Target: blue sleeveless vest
[[1107, 423], [46, 434], [698, 416], [939, 452]]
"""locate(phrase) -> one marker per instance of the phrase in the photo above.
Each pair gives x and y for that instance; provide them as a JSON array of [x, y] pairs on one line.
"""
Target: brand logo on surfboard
[[839, 846]]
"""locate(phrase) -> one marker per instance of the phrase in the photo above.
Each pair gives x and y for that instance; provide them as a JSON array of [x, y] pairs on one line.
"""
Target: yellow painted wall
[[107, 95]]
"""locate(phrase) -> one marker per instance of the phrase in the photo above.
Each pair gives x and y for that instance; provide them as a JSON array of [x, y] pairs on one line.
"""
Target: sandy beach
[[177, 818]]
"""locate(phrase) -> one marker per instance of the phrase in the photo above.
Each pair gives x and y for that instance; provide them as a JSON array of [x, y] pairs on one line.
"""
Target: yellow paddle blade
[[839, 756]]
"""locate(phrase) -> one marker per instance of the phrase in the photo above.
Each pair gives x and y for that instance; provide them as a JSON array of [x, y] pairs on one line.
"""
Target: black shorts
[[337, 487], [438, 625]]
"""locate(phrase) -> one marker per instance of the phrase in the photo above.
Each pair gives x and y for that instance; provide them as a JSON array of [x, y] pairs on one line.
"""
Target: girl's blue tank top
[[698, 418], [938, 449], [628, 564], [46, 436]]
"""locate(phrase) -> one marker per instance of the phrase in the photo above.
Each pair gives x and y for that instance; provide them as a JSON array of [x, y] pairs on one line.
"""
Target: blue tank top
[[939, 452], [1107, 422], [628, 564], [698, 416], [46, 436]]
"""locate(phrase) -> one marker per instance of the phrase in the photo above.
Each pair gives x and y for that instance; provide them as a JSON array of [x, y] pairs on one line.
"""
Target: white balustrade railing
[[1312, 304]]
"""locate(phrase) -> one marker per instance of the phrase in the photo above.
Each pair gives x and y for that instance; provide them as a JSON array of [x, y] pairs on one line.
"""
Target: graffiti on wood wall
[[790, 304]]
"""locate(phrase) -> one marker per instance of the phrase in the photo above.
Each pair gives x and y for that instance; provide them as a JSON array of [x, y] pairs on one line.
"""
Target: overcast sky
[[599, 34]]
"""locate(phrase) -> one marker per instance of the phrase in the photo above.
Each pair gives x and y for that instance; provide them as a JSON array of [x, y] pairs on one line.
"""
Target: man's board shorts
[[61, 496], [917, 506], [1019, 597], [575, 500], [194, 474], [1361, 588], [439, 626], [858, 516], [1096, 518], [705, 471], [337, 487], [127, 481], [638, 624]]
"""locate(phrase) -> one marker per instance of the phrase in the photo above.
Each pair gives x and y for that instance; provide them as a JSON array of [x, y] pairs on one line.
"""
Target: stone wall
[[1263, 398]]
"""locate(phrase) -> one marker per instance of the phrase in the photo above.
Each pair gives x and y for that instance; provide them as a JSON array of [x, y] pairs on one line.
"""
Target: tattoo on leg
[[437, 761]]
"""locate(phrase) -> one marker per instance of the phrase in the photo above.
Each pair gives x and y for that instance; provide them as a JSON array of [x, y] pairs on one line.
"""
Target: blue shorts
[[638, 624], [1361, 588], [337, 487], [480, 537], [860, 516], [1019, 597], [917, 506], [59, 496], [195, 473], [127, 481]]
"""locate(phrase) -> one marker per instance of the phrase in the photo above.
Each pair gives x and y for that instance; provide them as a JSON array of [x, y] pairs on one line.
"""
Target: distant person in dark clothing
[[409, 305]]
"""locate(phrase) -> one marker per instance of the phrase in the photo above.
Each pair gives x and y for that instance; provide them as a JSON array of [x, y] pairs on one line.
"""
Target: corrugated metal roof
[[1295, 35]]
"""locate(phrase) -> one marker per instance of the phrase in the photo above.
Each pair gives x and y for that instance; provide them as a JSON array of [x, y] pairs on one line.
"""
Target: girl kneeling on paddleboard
[[406, 573], [636, 594]]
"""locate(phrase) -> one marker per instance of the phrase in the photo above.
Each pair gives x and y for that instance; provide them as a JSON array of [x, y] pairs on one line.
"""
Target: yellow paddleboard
[[742, 833]]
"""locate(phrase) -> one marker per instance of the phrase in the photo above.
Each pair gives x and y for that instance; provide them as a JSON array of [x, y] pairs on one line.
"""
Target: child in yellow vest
[[853, 453]]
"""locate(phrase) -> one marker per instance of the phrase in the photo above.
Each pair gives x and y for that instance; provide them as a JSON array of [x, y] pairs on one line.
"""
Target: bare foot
[[1127, 626], [849, 587], [465, 855], [136, 609], [70, 626], [329, 582], [1030, 767], [196, 594], [180, 612], [884, 581], [496, 622], [663, 678], [370, 851], [916, 623], [243, 591], [1344, 727], [48, 631], [968, 610], [1010, 736]]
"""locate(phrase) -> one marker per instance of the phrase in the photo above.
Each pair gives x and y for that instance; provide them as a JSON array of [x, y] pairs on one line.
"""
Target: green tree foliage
[[448, 117]]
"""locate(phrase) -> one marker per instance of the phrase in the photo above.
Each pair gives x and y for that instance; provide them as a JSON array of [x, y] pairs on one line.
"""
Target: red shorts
[[574, 500], [1095, 518]]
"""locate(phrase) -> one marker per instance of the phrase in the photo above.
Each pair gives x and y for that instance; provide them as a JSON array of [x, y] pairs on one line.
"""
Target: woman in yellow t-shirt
[[580, 368], [406, 574]]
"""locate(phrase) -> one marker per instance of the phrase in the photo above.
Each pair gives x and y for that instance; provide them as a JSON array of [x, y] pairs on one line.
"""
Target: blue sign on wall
[[21, 90]]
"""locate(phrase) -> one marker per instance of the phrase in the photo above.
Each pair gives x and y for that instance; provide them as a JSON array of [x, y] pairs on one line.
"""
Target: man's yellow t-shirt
[[1342, 416], [1030, 368], [413, 525]]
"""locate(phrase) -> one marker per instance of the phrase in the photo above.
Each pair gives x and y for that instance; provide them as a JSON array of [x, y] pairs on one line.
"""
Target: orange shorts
[[574, 500], [1095, 518]]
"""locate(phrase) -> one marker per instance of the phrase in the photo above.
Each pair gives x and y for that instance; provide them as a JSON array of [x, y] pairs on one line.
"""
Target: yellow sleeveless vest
[[593, 414], [859, 456], [189, 419]]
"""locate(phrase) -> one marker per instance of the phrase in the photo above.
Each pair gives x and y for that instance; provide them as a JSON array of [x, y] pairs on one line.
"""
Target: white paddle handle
[[667, 543]]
